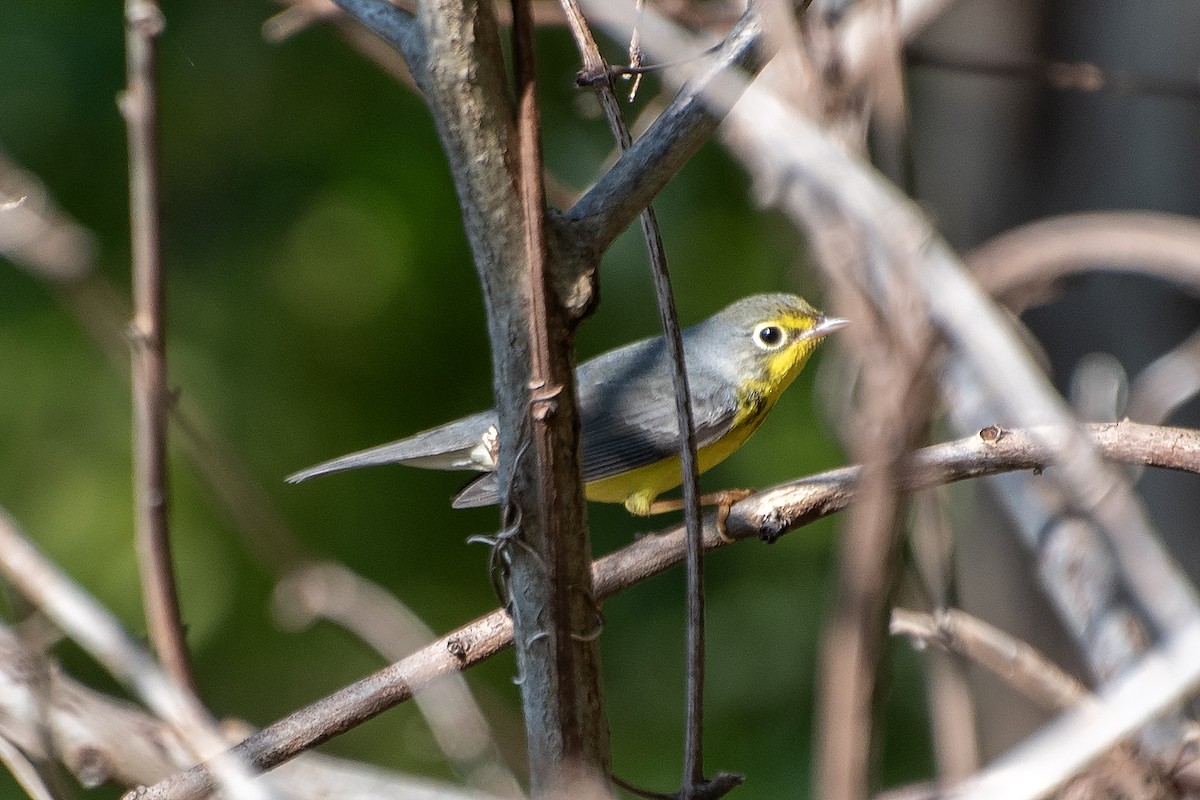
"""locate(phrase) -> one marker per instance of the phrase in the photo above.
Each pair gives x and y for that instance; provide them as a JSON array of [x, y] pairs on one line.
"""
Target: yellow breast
[[638, 488]]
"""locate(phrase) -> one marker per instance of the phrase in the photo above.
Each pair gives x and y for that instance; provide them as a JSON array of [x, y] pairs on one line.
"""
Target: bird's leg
[[723, 500]]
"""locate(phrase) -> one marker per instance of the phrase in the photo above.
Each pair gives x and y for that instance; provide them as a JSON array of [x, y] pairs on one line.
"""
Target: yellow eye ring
[[769, 337]]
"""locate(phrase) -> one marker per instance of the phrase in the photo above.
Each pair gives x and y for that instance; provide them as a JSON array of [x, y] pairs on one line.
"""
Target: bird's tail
[[457, 445]]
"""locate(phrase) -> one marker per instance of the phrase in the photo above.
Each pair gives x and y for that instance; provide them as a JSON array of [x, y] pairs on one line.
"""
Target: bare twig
[[1078, 76], [25, 772], [1024, 266], [1027, 265], [147, 338], [635, 57], [596, 75], [869, 559], [37, 235], [952, 714], [1166, 383], [767, 515]]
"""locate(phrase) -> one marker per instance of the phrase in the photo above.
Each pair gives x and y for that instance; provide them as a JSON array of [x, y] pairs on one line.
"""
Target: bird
[[738, 363]]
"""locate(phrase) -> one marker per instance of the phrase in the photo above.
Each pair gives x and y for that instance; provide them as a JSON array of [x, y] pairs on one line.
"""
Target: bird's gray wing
[[627, 409], [455, 445], [619, 435], [624, 430]]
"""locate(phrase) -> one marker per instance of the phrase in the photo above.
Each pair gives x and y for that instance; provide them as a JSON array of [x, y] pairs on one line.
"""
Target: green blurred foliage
[[322, 299]]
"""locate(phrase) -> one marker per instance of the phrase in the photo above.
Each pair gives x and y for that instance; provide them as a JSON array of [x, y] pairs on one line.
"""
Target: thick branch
[[768, 515], [545, 547], [549, 583]]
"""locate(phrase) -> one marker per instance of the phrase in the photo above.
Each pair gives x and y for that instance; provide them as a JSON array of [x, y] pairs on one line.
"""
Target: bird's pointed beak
[[826, 326]]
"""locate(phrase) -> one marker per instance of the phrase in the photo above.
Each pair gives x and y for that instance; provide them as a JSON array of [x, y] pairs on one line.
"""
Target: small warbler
[[738, 362]]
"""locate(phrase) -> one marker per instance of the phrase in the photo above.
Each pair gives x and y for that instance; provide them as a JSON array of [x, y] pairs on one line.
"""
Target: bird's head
[[765, 340]]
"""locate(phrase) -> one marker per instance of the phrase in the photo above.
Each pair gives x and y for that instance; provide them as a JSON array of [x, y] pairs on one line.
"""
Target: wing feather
[[482, 491], [629, 418]]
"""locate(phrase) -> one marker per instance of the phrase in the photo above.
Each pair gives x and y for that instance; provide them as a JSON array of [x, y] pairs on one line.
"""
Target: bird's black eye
[[769, 336]]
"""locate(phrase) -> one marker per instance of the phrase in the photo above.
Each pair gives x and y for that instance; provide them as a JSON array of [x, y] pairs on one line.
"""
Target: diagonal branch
[[1022, 266], [1157, 683], [1030, 672], [622, 193], [398, 28], [1020, 665], [767, 515], [47, 716], [328, 590]]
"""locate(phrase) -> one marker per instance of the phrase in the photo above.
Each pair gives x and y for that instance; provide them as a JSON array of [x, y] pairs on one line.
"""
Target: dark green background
[[321, 299]]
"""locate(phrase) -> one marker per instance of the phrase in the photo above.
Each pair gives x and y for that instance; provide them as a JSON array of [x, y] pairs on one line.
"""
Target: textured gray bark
[[547, 563]]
